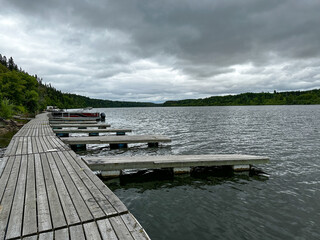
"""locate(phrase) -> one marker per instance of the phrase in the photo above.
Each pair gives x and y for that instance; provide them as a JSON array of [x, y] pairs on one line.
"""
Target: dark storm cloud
[[200, 47]]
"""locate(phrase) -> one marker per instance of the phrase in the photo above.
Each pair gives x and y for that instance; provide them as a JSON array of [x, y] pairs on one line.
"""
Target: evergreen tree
[[11, 64]]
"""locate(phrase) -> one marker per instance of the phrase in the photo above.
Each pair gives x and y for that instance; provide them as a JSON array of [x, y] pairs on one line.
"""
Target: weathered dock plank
[[170, 161], [30, 205]]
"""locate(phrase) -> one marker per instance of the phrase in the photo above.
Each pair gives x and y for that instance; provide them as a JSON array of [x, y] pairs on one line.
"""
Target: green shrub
[[6, 109]]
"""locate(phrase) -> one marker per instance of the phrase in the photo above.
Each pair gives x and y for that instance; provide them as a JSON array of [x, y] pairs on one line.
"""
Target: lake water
[[284, 206]]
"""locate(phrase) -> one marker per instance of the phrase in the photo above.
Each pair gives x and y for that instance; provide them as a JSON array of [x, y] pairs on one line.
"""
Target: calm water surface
[[284, 206]]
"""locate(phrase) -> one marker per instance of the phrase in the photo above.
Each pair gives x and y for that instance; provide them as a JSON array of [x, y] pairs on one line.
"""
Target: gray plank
[[39, 145], [19, 145], [134, 227], [30, 205], [16, 215], [6, 174], [62, 234], [79, 202], [96, 193], [57, 214], [44, 216], [76, 232], [29, 151], [25, 146], [46, 236], [89, 199], [120, 228], [8, 195], [34, 237], [3, 164], [66, 201], [91, 231], [112, 198], [106, 230]]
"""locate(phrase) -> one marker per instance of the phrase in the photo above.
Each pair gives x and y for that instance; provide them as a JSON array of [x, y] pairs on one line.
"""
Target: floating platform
[[78, 125], [91, 130], [116, 139], [112, 166], [55, 121]]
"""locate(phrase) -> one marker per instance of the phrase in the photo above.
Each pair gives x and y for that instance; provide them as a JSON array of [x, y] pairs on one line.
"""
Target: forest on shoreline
[[22, 93]]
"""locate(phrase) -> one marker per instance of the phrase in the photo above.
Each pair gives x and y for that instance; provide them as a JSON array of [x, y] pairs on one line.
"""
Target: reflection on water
[[6, 138]]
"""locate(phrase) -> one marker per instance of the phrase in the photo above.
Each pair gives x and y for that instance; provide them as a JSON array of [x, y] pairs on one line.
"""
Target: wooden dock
[[91, 130], [77, 125], [72, 121], [115, 141], [111, 166], [48, 192]]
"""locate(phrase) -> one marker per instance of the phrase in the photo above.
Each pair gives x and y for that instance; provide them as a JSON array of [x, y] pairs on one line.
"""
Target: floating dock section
[[116, 141], [112, 166], [48, 192]]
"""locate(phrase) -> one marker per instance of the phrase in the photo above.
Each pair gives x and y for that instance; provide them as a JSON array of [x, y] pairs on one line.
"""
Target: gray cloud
[[159, 50]]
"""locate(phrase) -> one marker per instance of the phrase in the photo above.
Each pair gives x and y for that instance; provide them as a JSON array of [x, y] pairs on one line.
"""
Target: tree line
[[275, 98], [23, 93]]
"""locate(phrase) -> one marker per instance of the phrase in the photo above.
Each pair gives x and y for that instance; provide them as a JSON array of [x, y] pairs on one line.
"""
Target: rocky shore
[[9, 126]]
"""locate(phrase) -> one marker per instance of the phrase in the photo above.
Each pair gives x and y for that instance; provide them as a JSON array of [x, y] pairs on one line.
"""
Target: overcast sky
[[158, 50]]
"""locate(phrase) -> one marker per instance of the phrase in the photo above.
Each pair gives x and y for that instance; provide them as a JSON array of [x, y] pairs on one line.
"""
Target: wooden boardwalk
[[48, 192]]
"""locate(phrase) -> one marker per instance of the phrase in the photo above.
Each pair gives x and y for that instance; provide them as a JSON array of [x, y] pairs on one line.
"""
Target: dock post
[[110, 174], [241, 168], [153, 144], [93, 134], [62, 134], [77, 147], [118, 145], [181, 170]]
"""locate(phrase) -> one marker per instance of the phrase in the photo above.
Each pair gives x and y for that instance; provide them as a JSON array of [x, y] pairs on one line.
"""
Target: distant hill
[[275, 98], [21, 92]]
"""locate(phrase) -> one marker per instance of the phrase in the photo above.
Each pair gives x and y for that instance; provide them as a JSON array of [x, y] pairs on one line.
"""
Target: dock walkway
[[48, 192]]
